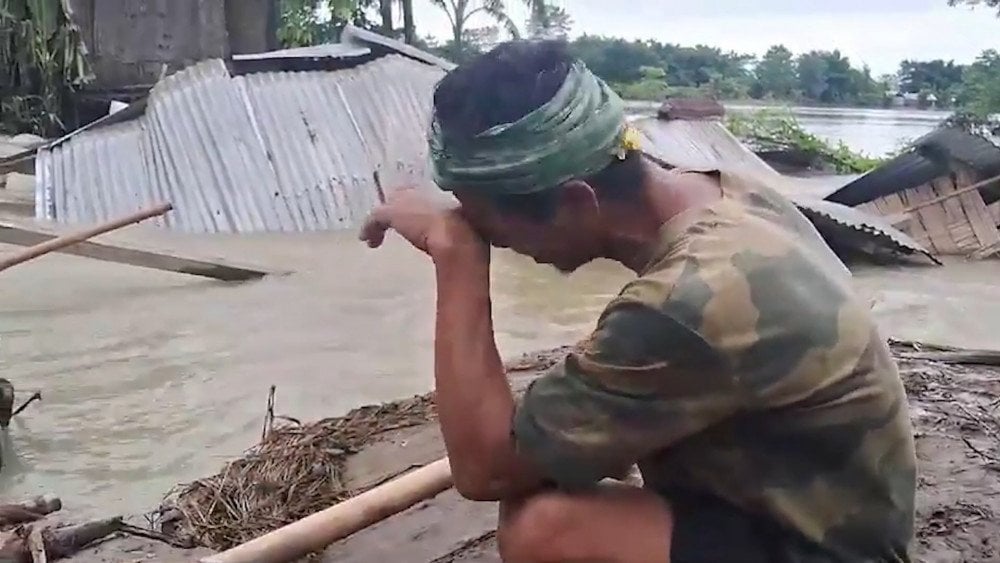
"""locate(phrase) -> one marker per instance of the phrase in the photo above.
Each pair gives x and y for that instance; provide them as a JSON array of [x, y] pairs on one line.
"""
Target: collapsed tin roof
[[248, 145]]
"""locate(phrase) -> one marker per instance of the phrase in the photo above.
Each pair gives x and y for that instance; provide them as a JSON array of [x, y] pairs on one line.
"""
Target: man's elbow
[[480, 488]]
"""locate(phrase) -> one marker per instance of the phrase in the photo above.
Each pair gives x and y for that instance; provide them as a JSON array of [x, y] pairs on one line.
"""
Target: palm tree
[[460, 11], [539, 12]]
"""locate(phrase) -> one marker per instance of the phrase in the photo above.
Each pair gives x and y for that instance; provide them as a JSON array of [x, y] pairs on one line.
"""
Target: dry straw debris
[[295, 471]]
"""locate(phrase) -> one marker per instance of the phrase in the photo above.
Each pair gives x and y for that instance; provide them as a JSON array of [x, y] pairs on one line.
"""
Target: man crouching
[[739, 370]]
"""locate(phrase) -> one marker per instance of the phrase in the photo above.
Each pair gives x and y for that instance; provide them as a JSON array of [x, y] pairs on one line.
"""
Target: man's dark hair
[[506, 84]]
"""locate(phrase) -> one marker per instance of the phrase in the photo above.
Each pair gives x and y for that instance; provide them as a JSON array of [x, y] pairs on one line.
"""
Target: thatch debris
[[295, 471]]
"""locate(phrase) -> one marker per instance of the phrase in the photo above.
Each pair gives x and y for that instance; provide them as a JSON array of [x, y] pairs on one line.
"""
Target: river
[[152, 379]]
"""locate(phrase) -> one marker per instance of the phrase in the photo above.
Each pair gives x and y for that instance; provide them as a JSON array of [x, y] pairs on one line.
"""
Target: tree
[[811, 69], [385, 9], [555, 23], [652, 86], [615, 60], [981, 93], [937, 76], [409, 27], [974, 3], [459, 13], [301, 24], [775, 73]]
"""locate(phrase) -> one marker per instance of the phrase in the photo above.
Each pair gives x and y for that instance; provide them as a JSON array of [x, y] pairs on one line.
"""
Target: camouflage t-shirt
[[740, 365]]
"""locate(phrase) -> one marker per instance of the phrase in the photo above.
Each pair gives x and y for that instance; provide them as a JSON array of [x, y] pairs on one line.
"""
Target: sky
[[880, 33]]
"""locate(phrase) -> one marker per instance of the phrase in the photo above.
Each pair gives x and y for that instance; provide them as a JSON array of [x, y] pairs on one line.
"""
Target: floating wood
[[77, 245], [29, 510], [57, 543], [314, 533], [63, 241]]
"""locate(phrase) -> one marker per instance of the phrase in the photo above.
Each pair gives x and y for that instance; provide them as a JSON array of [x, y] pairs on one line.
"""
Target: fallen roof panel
[[269, 151]]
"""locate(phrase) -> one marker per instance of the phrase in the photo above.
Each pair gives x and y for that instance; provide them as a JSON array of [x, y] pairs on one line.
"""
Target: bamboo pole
[[955, 193], [316, 532], [61, 242]]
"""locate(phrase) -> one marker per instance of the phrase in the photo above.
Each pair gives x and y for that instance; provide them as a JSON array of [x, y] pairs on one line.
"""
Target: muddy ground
[[955, 410], [955, 407]]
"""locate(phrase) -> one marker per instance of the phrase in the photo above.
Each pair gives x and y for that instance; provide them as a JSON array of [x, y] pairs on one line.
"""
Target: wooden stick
[[36, 544], [71, 239], [955, 193], [316, 532], [37, 396]]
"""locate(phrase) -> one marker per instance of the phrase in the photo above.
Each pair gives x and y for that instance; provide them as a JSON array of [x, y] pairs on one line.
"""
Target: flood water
[[151, 379]]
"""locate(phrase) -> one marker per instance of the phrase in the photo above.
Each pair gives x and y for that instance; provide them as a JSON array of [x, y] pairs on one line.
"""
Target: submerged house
[[309, 139], [286, 141], [690, 134], [944, 192]]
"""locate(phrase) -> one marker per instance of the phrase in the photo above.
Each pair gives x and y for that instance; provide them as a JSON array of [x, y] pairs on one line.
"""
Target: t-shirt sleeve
[[640, 383]]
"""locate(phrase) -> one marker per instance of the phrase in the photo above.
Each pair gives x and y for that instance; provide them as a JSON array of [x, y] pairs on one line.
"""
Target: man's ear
[[579, 197]]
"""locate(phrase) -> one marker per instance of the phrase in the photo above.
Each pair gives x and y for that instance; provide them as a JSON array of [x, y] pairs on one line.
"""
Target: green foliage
[[41, 63], [981, 92], [989, 3], [768, 130], [776, 74], [820, 76], [301, 24], [549, 22], [652, 85]]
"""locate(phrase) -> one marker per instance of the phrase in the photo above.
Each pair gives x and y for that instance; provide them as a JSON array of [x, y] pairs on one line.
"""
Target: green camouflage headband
[[574, 135]]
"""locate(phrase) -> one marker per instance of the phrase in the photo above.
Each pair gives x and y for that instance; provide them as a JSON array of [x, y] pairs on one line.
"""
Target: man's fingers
[[373, 231]]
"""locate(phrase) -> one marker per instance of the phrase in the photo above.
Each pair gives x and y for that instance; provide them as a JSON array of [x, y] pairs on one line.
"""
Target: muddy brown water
[[151, 379]]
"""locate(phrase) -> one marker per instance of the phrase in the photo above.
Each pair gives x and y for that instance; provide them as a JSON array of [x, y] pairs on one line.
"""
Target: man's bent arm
[[474, 400]]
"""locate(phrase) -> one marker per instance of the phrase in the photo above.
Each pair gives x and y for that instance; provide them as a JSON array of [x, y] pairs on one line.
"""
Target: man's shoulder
[[759, 295]]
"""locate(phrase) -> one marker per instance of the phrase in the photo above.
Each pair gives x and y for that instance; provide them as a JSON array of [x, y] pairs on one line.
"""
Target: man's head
[[537, 151]]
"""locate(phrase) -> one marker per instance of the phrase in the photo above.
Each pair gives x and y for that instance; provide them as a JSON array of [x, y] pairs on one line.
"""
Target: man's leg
[[613, 524]]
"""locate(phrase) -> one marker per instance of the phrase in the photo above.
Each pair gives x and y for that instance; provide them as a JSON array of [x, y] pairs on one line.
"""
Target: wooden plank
[[920, 231], [936, 221], [433, 530], [975, 208], [994, 210], [957, 221], [21, 236]]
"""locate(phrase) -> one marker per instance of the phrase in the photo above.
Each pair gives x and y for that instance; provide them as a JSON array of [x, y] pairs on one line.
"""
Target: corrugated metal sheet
[[929, 157], [698, 144], [325, 51], [839, 222], [708, 144], [277, 151], [906, 171]]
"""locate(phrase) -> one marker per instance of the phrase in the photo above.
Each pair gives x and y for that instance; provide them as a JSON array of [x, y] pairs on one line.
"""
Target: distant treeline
[[650, 70]]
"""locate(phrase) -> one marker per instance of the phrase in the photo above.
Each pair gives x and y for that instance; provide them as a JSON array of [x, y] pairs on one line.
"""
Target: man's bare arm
[[474, 400]]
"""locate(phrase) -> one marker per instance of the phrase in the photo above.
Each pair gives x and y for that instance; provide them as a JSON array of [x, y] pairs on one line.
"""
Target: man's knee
[[533, 529]]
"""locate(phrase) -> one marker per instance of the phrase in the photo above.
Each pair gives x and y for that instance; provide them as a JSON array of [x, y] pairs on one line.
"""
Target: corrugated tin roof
[[698, 144], [836, 221], [906, 171], [270, 151], [929, 157], [325, 51], [708, 144]]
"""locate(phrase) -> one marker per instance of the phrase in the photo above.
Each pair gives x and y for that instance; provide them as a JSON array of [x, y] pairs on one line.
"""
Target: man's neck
[[666, 194]]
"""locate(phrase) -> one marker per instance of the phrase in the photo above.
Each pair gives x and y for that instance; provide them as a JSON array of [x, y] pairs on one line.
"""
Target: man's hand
[[427, 225]]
